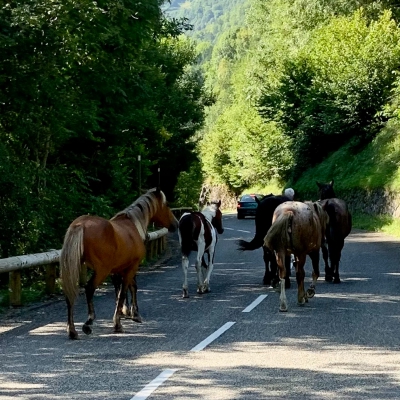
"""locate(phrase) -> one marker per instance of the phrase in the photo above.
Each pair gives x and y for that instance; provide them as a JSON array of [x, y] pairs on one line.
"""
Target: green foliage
[[188, 187], [86, 87], [335, 88], [376, 166]]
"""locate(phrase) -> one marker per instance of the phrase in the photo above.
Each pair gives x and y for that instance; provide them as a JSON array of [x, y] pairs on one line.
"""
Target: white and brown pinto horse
[[198, 232], [298, 229]]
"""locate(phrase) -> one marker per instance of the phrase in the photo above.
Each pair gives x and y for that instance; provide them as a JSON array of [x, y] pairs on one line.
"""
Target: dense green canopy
[[85, 88]]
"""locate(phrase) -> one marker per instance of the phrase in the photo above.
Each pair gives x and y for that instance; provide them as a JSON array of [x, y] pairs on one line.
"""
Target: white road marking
[[255, 303], [239, 230], [229, 229], [212, 337], [154, 384]]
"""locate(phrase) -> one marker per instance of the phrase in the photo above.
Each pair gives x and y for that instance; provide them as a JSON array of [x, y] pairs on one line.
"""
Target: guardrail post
[[51, 271], [15, 289]]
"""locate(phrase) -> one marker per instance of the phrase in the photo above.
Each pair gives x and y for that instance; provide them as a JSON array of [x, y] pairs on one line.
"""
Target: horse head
[[326, 190], [163, 215], [217, 218]]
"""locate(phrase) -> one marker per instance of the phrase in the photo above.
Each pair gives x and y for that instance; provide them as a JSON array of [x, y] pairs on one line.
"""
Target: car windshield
[[250, 197]]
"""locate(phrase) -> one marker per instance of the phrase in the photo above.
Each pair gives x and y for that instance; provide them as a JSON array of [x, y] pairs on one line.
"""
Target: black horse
[[263, 221], [339, 227]]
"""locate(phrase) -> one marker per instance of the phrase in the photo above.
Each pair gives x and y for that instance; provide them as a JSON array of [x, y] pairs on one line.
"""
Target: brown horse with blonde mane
[[298, 229], [114, 246]]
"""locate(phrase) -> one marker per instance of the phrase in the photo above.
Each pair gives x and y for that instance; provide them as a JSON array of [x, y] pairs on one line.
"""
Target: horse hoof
[[86, 329], [73, 335], [310, 293], [137, 318], [267, 282], [118, 329], [336, 280], [199, 291], [207, 290], [283, 309], [328, 278]]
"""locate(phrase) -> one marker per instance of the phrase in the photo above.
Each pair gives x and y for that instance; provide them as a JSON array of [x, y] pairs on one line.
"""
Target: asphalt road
[[232, 343]]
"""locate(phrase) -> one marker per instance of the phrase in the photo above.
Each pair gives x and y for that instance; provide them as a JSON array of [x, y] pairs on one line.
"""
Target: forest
[[97, 97], [86, 90]]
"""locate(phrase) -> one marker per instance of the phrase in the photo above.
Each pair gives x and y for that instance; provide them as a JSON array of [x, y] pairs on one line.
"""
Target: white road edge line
[[212, 337], [154, 384], [255, 303]]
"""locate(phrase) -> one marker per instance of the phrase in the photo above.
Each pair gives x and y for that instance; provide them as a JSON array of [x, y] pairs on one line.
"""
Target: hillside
[[208, 17]]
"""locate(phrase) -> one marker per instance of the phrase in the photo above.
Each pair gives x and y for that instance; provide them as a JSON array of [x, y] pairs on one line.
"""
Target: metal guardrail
[[155, 245]]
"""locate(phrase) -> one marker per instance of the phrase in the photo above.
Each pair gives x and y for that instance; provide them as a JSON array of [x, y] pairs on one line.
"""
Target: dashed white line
[[212, 337], [239, 230], [154, 384], [255, 303]]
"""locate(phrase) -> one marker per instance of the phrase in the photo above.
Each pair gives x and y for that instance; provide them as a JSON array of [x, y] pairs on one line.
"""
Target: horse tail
[[280, 233], [254, 244], [71, 261]]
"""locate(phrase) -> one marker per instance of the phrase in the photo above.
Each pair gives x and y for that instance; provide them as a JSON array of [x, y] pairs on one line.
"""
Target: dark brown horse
[[298, 229], [114, 246], [263, 221], [339, 227], [198, 232]]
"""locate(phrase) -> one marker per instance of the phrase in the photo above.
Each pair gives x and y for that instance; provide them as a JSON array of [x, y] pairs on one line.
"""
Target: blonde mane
[[142, 210]]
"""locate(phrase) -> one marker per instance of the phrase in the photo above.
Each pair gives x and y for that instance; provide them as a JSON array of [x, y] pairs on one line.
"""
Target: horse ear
[[331, 182], [219, 204], [319, 184], [257, 199]]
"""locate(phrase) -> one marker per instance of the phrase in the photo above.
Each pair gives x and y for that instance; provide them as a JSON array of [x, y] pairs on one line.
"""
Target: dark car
[[247, 205]]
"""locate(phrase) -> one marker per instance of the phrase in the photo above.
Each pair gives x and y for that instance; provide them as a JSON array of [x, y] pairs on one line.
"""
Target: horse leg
[[89, 291], [300, 275], [126, 309], [185, 267], [315, 273], [116, 280], [325, 256], [127, 279], [198, 265], [72, 333], [335, 259], [280, 260], [209, 270], [267, 256], [134, 306], [287, 267]]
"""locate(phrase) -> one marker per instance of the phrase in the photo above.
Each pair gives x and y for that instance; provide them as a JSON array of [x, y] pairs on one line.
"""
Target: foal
[[198, 232]]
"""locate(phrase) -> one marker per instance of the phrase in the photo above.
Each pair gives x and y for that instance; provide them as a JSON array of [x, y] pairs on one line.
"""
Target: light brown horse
[[110, 246], [298, 229]]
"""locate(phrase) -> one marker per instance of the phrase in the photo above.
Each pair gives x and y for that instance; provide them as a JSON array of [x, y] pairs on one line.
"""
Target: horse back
[[340, 219], [106, 242], [192, 228], [305, 228]]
